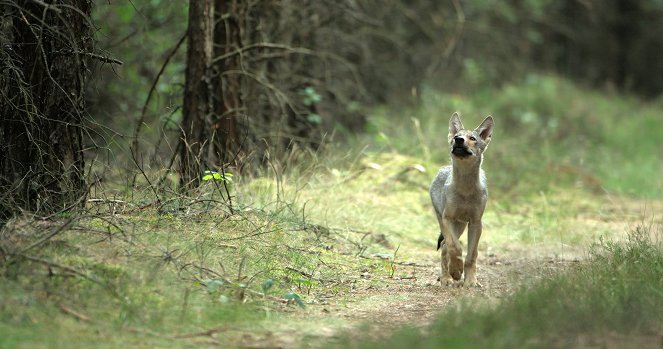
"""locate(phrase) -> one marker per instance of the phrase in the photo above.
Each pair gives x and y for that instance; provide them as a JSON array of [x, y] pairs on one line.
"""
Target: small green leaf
[[213, 284], [314, 118], [208, 175], [310, 96], [302, 281], [295, 297], [267, 285]]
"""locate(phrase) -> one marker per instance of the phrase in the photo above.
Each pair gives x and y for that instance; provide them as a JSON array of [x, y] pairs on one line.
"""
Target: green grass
[[140, 272], [548, 131], [614, 296], [147, 277]]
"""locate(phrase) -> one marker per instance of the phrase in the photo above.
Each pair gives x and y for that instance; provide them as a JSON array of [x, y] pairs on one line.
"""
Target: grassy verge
[[612, 300], [152, 278]]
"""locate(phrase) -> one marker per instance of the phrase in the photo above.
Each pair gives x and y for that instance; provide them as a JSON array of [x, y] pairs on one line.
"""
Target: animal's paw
[[456, 268], [472, 282], [448, 281]]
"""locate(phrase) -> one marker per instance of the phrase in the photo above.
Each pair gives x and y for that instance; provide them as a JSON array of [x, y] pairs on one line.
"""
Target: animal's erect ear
[[455, 124], [485, 130]]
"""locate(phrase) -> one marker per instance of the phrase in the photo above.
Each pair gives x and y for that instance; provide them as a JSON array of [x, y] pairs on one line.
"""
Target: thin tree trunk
[[196, 128]]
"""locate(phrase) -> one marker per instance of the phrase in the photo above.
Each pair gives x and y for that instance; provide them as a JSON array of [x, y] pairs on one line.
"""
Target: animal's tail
[[440, 240]]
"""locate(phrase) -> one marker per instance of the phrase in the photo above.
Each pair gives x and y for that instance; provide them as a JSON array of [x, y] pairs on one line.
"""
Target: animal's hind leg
[[473, 235]]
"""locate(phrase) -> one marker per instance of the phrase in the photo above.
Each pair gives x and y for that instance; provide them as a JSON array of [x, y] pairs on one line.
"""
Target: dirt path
[[393, 302]]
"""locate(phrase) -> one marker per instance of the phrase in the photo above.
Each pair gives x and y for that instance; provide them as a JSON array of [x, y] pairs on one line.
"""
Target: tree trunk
[[196, 125], [227, 98], [45, 47]]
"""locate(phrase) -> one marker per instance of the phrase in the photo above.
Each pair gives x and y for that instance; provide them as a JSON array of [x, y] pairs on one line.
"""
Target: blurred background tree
[[286, 74]]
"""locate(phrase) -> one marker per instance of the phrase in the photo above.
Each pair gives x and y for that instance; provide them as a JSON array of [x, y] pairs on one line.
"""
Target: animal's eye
[[472, 138]]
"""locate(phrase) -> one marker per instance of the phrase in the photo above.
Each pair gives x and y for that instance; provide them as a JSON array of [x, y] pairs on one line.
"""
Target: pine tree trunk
[[45, 47], [196, 125]]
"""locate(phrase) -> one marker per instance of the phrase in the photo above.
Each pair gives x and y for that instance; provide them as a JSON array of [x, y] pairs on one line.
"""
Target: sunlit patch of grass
[[179, 271], [548, 133]]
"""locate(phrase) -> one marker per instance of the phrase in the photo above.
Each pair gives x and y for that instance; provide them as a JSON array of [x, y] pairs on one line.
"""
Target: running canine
[[459, 196]]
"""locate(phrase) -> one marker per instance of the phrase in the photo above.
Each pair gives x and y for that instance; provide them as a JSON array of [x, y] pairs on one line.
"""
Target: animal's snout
[[458, 140]]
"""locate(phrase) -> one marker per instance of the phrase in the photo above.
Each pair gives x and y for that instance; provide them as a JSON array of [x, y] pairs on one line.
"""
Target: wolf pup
[[459, 196]]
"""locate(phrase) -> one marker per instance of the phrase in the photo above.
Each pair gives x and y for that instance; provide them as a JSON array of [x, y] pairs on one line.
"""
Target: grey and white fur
[[459, 194]]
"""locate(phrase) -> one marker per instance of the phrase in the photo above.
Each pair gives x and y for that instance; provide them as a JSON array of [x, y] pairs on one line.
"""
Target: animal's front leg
[[445, 277], [454, 251], [473, 235]]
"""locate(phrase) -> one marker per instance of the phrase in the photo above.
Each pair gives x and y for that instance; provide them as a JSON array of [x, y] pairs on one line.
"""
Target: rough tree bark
[[227, 97], [44, 48], [197, 104]]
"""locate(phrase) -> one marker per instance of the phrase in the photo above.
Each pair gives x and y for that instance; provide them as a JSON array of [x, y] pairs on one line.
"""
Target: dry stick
[[393, 261], [47, 6], [225, 186], [105, 59], [407, 264], [74, 313], [140, 120], [207, 333], [297, 50], [164, 136]]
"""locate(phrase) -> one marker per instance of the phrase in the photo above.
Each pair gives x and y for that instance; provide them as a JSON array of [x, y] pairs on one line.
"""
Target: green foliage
[[291, 296], [548, 131], [267, 285], [310, 99], [311, 96], [213, 175]]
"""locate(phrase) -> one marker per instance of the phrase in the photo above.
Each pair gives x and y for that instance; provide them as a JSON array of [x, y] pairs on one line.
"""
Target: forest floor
[[371, 311], [377, 305], [363, 266], [193, 278]]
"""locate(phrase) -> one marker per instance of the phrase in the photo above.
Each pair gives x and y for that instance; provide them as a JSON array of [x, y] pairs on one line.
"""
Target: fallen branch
[[75, 314]]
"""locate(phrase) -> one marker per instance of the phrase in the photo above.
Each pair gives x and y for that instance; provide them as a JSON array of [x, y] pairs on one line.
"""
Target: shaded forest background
[[296, 72], [274, 78]]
